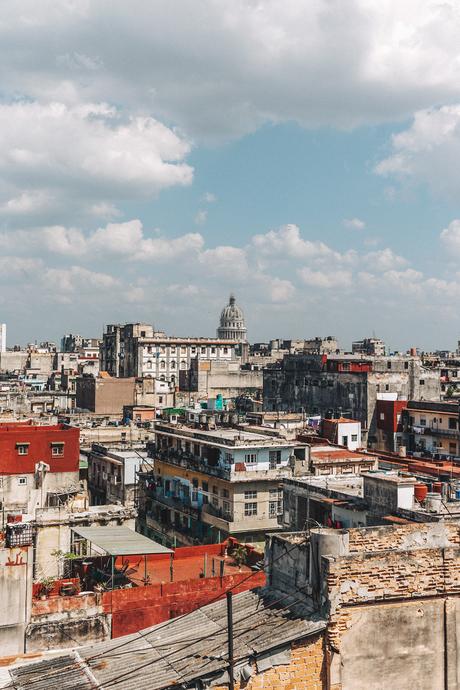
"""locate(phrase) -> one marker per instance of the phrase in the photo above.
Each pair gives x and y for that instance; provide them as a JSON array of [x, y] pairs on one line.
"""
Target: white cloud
[[77, 278], [428, 151], [221, 70], [229, 262], [209, 198], [384, 260], [325, 279], [281, 290], [354, 223], [287, 241], [450, 237], [52, 153], [27, 203], [201, 217]]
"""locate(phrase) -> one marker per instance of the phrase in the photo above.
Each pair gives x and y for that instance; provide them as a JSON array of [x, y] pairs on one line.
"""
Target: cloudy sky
[[156, 155]]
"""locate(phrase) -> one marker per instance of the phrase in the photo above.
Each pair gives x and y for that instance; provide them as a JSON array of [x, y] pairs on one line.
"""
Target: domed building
[[232, 325]]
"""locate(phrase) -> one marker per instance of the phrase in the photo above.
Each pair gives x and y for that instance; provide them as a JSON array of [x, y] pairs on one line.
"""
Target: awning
[[120, 541]]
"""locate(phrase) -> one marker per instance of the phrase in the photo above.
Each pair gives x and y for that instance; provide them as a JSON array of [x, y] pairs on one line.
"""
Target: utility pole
[[231, 681]]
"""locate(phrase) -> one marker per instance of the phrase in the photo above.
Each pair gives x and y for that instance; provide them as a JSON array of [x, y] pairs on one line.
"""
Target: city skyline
[[220, 150]]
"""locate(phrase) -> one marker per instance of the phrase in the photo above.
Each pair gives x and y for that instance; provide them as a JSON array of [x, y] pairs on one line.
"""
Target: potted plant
[[240, 555], [46, 585]]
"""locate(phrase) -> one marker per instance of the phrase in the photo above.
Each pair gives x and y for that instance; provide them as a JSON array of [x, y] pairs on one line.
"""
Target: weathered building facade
[[347, 385]]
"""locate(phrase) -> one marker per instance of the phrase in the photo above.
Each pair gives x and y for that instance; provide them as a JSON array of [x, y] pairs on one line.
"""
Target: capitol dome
[[232, 325]]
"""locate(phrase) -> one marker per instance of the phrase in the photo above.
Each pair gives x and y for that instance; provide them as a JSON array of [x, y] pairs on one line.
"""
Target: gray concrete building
[[347, 384]]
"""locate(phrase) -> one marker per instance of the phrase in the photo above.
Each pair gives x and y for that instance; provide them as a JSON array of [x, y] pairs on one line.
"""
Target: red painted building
[[23, 445], [32, 458], [389, 425]]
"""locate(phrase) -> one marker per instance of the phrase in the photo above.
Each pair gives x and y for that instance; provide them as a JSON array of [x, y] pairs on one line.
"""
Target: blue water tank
[[457, 494]]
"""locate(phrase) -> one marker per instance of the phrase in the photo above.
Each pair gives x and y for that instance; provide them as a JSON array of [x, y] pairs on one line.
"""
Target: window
[[388, 365], [422, 421], [274, 457], [213, 350], [275, 493], [226, 507], [387, 386], [205, 486], [195, 482], [22, 481], [215, 501], [160, 399], [162, 364], [422, 382], [228, 458], [250, 458], [452, 423], [274, 508], [215, 490], [250, 509], [225, 493], [250, 494], [183, 364], [194, 495], [225, 350], [23, 448], [354, 438], [382, 416], [406, 365], [57, 449], [203, 350], [453, 448]]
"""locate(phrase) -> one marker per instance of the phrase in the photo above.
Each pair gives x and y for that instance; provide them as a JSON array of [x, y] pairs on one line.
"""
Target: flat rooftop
[[119, 541], [228, 436]]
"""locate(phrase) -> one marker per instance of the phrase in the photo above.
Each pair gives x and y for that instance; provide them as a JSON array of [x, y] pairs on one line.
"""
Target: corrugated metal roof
[[181, 650], [120, 541]]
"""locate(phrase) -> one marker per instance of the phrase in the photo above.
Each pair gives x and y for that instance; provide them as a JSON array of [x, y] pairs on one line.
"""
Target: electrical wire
[[169, 622], [115, 680], [108, 654]]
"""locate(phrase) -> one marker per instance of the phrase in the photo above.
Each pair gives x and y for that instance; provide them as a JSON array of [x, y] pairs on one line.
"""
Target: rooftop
[[224, 435], [178, 651], [119, 541]]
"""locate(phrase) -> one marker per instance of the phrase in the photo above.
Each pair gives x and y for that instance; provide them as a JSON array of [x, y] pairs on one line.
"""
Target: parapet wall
[[404, 537]]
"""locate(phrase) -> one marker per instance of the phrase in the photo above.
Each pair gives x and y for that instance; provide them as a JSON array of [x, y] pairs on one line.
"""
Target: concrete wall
[[105, 395], [53, 529], [15, 598], [13, 361]]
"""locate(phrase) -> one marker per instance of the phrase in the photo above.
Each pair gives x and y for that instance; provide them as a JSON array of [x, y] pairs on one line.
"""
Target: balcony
[[216, 517], [182, 458], [181, 505], [434, 431]]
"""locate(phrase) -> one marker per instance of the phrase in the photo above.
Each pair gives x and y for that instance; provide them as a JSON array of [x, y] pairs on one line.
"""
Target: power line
[[167, 623]]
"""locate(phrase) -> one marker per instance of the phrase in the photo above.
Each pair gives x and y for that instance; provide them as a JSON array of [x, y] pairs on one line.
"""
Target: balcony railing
[[189, 461], [181, 505], [434, 431], [217, 512]]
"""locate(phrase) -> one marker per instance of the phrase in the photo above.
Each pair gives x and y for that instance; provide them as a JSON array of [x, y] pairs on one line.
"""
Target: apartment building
[[432, 427], [348, 385], [209, 484], [37, 463], [137, 350], [112, 473]]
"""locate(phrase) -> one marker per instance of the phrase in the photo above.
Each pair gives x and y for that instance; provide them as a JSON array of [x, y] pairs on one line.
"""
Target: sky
[[156, 156]]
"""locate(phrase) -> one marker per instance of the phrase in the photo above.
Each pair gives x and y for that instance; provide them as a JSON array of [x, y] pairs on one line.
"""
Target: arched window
[[183, 364], [149, 364], [162, 364], [173, 364]]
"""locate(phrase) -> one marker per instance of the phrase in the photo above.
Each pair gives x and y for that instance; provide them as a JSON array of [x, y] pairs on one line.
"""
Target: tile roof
[[178, 651]]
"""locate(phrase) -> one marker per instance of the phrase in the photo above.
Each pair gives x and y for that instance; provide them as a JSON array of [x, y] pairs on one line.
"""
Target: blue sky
[[304, 156]]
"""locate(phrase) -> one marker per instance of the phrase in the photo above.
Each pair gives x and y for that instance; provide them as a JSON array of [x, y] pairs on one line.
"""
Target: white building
[[2, 337]]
